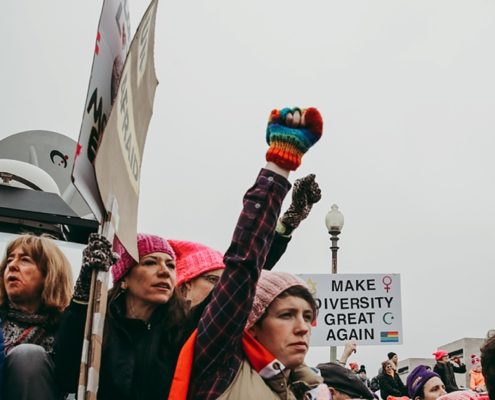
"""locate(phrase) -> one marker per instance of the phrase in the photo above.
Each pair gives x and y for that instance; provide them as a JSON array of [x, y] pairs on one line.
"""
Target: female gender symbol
[[387, 280]]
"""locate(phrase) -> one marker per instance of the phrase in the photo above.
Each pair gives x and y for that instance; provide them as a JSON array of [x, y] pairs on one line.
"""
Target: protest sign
[[118, 162], [365, 308], [117, 169], [112, 44]]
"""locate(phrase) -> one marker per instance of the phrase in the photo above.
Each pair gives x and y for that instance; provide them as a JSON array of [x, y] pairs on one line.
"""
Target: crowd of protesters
[[425, 382], [185, 321]]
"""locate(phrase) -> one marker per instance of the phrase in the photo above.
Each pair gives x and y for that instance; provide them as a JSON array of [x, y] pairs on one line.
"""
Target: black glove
[[97, 255], [305, 193]]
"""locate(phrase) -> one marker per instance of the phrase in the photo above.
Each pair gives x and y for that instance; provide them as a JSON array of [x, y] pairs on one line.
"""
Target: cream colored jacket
[[249, 385]]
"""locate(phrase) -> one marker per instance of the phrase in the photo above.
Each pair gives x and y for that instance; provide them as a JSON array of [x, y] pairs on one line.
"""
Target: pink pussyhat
[[270, 285], [146, 244], [439, 354], [194, 259], [475, 361]]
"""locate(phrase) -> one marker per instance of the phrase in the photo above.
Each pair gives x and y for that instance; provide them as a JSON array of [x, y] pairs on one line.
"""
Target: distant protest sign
[[365, 308], [118, 162], [112, 44]]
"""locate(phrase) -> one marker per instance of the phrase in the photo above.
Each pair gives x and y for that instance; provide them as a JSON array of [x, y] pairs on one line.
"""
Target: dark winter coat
[[2, 358], [138, 359], [391, 386], [446, 372]]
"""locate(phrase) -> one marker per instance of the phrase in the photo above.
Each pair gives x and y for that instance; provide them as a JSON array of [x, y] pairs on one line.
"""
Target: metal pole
[[334, 238]]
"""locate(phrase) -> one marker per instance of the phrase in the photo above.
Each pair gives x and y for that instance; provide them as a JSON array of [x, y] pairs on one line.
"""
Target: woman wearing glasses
[[390, 382], [200, 267]]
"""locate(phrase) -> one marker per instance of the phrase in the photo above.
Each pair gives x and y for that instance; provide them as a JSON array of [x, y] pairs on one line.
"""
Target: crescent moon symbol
[[63, 159], [388, 318]]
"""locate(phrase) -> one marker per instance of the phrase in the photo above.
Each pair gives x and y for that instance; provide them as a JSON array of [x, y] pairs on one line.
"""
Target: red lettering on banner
[[97, 47], [78, 149]]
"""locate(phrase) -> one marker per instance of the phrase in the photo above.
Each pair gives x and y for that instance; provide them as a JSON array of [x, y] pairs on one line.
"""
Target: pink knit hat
[[146, 244], [270, 285], [194, 259], [354, 365], [439, 354], [475, 361], [463, 395]]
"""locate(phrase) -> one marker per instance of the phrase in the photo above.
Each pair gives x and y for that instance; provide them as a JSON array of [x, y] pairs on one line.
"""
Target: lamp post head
[[334, 220]]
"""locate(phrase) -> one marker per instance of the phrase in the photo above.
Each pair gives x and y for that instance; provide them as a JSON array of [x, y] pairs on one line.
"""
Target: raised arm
[[290, 133], [305, 193], [69, 340]]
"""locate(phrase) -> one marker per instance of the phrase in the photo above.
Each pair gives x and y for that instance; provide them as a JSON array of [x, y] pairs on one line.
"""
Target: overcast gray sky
[[406, 89]]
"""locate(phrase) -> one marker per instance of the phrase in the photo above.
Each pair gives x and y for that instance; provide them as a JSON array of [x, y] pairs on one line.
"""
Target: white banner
[[365, 308], [119, 158], [112, 44]]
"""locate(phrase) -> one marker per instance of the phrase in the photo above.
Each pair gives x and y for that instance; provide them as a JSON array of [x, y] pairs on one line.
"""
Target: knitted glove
[[306, 192], [290, 133], [97, 255]]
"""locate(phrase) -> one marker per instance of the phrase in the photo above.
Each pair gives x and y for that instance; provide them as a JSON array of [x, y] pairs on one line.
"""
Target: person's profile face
[[23, 279], [200, 287], [433, 389]]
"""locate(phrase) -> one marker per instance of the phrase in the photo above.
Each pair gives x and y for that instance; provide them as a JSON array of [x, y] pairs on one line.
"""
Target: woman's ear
[[123, 284], [252, 330]]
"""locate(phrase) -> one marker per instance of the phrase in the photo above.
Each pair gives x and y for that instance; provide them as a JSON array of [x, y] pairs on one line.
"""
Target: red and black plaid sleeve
[[218, 351]]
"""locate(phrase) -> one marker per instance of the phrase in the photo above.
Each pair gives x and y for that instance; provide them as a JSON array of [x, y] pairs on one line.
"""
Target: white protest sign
[[112, 44], [120, 155], [365, 308]]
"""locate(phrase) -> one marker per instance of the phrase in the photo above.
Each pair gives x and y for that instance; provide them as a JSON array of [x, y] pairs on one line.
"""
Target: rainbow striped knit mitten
[[289, 143]]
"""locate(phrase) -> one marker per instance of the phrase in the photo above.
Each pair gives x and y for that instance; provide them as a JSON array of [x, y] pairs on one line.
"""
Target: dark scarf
[[20, 327]]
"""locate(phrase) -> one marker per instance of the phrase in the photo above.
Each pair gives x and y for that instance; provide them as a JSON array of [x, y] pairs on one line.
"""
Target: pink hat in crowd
[[270, 285], [354, 365], [463, 395], [439, 354], [194, 259], [146, 244], [475, 361]]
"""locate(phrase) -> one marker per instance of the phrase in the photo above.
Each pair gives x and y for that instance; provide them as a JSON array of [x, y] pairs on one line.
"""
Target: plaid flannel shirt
[[218, 353]]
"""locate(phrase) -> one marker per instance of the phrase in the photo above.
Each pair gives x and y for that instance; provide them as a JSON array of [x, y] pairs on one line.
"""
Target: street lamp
[[334, 222]]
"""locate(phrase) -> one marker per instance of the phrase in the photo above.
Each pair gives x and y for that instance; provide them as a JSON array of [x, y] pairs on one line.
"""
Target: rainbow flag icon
[[389, 337]]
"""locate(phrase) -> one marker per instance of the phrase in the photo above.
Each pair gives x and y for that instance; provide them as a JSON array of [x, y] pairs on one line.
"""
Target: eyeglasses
[[213, 279], [388, 366]]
